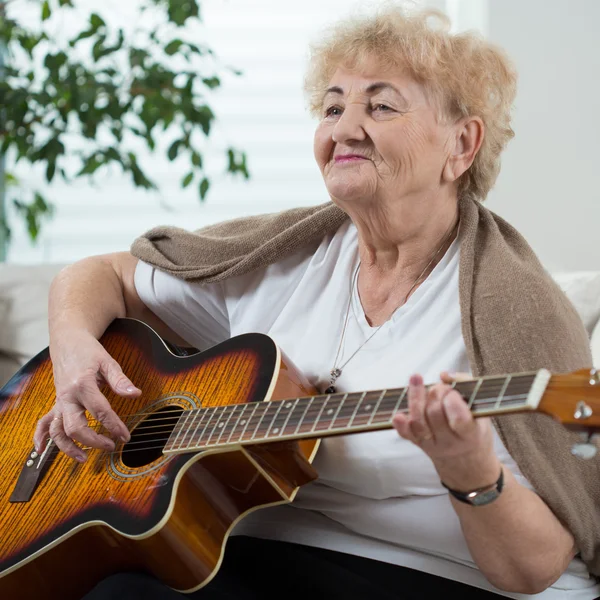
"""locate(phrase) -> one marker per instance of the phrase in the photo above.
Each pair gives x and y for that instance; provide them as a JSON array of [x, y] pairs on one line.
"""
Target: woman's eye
[[333, 111], [381, 107]]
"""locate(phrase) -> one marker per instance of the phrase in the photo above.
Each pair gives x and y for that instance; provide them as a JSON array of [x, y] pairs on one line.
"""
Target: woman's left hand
[[441, 424]]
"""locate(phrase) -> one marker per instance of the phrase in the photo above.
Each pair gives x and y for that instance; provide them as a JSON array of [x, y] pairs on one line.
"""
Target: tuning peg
[[587, 448], [594, 377]]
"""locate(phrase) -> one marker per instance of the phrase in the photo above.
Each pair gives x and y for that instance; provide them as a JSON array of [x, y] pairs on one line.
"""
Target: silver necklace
[[336, 371]]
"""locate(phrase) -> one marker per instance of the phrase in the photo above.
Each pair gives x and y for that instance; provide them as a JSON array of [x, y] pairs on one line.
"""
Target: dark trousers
[[255, 569]]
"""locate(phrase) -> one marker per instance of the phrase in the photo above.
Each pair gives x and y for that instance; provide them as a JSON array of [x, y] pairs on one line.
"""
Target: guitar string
[[127, 450], [315, 408], [126, 447], [388, 395]]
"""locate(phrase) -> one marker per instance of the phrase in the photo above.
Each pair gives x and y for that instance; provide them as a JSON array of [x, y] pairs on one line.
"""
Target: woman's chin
[[348, 192]]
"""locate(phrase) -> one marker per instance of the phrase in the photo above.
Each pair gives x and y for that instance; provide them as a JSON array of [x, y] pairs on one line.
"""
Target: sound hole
[[149, 438]]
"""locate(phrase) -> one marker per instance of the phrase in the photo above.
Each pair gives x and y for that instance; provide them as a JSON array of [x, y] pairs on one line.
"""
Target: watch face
[[485, 497]]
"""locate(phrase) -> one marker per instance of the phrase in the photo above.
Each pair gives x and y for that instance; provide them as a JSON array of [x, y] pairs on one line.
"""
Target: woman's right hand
[[81, 365]]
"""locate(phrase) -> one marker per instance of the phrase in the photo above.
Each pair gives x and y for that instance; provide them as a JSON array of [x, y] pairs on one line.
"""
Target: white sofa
[[24, 293]]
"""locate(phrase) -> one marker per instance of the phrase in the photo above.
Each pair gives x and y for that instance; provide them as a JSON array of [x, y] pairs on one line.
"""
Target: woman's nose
[[349, 126]]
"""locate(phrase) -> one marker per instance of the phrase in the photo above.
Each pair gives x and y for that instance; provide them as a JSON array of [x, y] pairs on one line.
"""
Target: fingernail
[[124, 438], [80, 458], [130, 389]]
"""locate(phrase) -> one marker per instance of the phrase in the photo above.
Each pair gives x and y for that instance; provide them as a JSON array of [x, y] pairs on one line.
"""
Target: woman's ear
[[464, 145]]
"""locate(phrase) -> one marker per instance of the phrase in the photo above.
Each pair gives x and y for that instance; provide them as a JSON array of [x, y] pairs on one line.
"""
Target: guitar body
[[138, 509]]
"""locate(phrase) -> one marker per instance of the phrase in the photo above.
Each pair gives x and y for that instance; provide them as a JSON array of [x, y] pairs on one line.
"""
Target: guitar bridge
[[34, 468]]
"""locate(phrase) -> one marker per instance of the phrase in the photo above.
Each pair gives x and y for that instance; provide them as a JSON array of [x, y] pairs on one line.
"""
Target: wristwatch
[[481, 496]]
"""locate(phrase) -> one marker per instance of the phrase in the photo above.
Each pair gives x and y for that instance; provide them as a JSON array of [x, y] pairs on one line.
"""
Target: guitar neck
[[340, 414]]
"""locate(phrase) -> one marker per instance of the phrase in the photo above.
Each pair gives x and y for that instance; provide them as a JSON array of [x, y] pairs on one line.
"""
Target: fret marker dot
[[276, 430], [330, 411], [220, 424], [243, 422], [368, 407], [288, 405]]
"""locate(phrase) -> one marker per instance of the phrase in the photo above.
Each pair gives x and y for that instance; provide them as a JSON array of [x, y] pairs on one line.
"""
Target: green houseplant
[[108, 87]]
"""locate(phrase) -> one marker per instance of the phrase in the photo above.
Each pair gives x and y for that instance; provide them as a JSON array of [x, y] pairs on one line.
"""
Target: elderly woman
[[404, 273]]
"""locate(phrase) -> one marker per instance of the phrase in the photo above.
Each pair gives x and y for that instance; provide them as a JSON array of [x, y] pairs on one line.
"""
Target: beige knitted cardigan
[[514, 319]]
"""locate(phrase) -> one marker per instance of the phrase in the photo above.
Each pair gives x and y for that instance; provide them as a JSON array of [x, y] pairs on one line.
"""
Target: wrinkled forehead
[[367, 76], [375, 81]]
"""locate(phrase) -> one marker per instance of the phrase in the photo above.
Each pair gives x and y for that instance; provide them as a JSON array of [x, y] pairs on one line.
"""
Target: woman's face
[[379, 137]]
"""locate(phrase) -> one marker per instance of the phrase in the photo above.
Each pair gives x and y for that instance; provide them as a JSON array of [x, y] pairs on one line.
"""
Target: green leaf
[[82, 36], [179, 11], [90, 166], [46, 10], [174, 150], [33, 213], [65, 3], [98, 49], [172, 47], [204, 185], [187, 179], [50, 170], [96, 21], [196, 159], [212, 82], [10, 179]]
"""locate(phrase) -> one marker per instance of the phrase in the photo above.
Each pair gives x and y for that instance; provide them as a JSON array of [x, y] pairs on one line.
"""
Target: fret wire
[[212, 411], [258, 425], [492, 399], [337, 412], [256, 405], [182, 428], [226, 423], [289, 415], [376, 407], [214, 429], [194, 437], [402, 395], [502, 392], [308, 405], [244, 407], [334, 412], [475, 390], [295, 419], [325, 402], [185, 428], [274, 418], [381, 416], [356, 409], [489, 385], [289, 406], [513, 399], [522, 387], [365, 408]]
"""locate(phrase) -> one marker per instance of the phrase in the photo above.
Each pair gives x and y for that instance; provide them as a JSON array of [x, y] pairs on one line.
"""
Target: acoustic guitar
[[214, 435]]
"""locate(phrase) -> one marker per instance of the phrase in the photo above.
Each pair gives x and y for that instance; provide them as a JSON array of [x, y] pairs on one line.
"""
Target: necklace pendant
[[335, 373], [330, 390]]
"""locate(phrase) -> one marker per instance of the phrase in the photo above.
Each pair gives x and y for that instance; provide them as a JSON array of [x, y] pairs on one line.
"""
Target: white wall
[[549, 185]]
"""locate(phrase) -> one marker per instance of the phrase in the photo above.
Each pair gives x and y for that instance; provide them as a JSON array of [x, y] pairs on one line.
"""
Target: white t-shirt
[[377, 495]]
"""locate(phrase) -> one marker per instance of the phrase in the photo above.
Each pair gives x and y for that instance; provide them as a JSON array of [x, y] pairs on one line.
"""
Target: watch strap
[[480, 496]]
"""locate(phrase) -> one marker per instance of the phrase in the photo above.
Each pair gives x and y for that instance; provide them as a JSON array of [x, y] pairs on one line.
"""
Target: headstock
[[574, 400]]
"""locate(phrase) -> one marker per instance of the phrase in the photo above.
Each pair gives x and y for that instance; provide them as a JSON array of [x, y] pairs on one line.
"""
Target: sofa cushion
[[23, 300], [595, 341], [583, 290]]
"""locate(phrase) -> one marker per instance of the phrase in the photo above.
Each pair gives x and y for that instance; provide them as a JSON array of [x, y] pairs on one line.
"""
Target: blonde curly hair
[[463, 73]]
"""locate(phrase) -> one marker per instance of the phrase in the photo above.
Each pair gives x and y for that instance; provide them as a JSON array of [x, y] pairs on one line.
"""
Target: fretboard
[[338, 414]]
